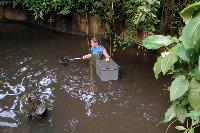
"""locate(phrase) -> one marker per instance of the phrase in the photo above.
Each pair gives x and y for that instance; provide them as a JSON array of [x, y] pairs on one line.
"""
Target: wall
[[73, 23]]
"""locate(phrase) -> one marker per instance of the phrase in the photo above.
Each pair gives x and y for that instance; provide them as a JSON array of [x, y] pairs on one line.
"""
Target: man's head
[[94, 41]]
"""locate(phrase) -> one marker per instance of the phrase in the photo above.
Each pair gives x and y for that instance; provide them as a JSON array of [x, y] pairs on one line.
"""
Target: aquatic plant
[[181, 59]]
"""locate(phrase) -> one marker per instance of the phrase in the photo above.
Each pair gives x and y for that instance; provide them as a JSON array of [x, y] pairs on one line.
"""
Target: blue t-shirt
[[97, 50]]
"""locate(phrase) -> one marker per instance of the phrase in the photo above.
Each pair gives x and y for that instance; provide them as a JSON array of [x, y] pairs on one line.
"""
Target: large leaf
[[156, 41], [179, 87], [170, 114], [190, 12], [184, 101], [199, 63], [183, 53], [195, 73], [191, 130], [191, 32], [181, 113], [168, 61], [194, 94], [157, 67], [194, 115]]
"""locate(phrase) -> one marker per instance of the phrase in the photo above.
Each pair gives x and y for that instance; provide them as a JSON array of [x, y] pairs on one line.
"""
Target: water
[[77, 101]]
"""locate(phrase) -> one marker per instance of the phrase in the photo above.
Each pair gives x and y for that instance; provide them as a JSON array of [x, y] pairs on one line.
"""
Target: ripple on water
[[8, 118], [18, 89], [3, 95], [8, 124], [71, 124], [147, 112], [45, 81], [8, 114]]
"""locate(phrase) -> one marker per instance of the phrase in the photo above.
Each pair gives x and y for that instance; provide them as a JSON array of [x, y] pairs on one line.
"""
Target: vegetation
[[181, 60], [142, 14], [137, 16], [125, 39]]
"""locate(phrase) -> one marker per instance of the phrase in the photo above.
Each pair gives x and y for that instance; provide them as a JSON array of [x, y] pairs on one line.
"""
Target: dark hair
[[95, 39]]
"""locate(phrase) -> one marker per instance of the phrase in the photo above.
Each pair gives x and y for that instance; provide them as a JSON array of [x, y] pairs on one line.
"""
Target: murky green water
[[77, 100]]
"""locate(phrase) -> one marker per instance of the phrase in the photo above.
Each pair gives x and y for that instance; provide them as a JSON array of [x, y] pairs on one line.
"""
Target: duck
[[36, 110]]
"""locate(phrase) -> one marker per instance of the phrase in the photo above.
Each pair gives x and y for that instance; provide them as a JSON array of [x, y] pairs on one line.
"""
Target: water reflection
[[9, 114], [80, 88], [8, 124], [71, 125], [147, 112]]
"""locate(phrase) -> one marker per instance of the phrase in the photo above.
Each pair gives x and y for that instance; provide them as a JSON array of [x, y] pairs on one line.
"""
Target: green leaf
[[183, 53], [191, 130], [180, 128], [184, 101], [65, 11], [199, 63], [156, 41], [168, 61], [194, 94], [195, 73], [189, 12], [157, 67], [181, 113], [191, 32], [179, 87], [170, 114], [193, 114]]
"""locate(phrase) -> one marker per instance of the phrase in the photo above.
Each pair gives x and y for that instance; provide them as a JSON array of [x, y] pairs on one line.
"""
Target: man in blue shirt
[[97, 51]]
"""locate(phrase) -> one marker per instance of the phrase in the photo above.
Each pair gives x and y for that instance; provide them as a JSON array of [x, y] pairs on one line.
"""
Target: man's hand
[[86, 56]]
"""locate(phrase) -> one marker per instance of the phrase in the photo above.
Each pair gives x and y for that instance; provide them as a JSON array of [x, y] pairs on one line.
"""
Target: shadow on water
[[76, 101]]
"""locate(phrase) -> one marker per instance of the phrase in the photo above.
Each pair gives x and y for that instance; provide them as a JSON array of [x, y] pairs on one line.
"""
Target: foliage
[[182, 60], [142, 14], [125, 39], [5, 2], [154, 41], [39, 8], [139, 15], [86, 6], [190, 12], [171, 22]]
